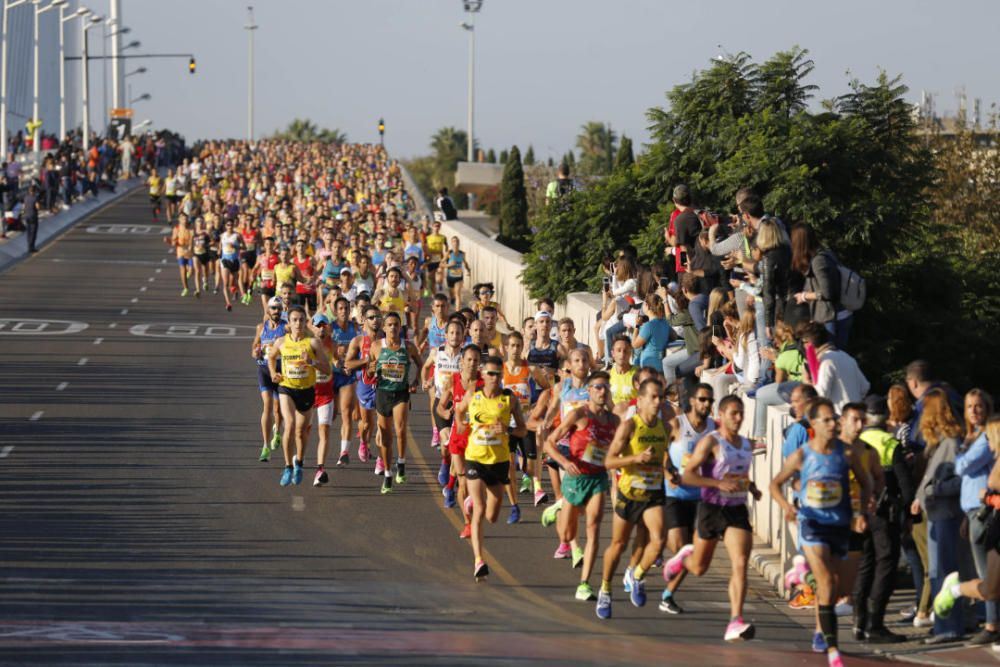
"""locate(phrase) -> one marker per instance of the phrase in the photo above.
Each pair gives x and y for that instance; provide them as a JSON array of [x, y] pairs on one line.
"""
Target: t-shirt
[[656, 333], [791, 361], [688, 227]]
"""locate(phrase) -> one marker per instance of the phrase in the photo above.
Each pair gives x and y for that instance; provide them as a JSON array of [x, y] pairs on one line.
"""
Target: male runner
[[264, 271], [453, 392], [527, 382], [432, 336], [326, 403], [357, 361], [442, 363], [181, 239], [268, 331], [343, 331]]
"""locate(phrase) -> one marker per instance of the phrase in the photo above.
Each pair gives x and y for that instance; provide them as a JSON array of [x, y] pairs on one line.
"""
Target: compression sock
[[344, 446], [605, 586], [828, 624]]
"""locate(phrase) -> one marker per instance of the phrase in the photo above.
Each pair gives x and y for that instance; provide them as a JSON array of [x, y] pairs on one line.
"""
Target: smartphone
[[684, 257], [664, 282], [717, 331], [607, 284]]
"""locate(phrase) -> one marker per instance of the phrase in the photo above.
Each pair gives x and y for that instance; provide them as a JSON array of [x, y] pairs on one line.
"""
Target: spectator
[[773, 268], [706, 266], [562, 186], [789, 372], [127, 152], [920, 380], [822, 284], [653, 336], [744, 356], [29, 216], [682, 320], [687, 227], [446, 205], [837, 376], [617, 297]]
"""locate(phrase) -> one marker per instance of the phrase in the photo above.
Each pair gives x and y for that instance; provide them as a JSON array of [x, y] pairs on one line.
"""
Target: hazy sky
[[544, 67]]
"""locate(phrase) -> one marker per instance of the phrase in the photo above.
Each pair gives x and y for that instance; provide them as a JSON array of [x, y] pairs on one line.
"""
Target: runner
[[263, 270], [435, 245], [590, 429], [432, 336], [230, 262], [639, 448], [489, 315], [526, 382], [442, 363], [248, 257], [268, 331], [824, 510], [305, 282], [343, 331], [452, 393], [182, 240], [455, 269], [301, 356], [720, 465], [203, 263], [357, 361], [487, 456], [155, 184]]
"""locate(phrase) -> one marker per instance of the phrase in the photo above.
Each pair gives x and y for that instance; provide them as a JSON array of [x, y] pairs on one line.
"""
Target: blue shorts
[[184, 261], [264, 382], [341, 380], [366, 395], [836, 537]]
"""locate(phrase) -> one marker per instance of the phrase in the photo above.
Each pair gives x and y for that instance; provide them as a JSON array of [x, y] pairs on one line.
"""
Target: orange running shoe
[[804, 599]]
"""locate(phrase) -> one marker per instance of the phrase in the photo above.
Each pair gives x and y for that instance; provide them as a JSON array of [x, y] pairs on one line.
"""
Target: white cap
[[275, 302]]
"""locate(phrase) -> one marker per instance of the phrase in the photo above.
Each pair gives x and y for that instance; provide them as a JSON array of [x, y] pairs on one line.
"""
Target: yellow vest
[[488, 420], [640, 481], [296, 371], [621, 385]]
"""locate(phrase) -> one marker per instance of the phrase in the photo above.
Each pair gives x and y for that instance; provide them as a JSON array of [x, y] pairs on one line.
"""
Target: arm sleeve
[[730, 244]]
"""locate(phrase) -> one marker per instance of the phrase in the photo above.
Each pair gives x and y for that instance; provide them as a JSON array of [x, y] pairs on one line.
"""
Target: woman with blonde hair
[[651, 341], [743, 354], [938, 498]]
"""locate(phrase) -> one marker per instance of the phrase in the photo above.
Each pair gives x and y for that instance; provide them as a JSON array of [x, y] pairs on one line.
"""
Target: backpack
[[852, 289]]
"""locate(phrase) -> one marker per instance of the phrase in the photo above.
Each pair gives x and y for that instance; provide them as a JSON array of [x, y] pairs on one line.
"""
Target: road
[[138, 527]]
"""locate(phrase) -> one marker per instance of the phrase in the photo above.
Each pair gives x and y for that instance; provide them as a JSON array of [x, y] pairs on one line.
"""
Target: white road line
[[112, 325], [163, 261], [61, 386], [124, 311], [135, 299], [298, 503], [159, 270], [105, 261], [152, 279], [83, 361], [143, 288], [36, 416], [5, 452], [98, 341]]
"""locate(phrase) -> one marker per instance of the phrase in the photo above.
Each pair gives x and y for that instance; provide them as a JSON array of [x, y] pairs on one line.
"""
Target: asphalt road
[[137, 526]]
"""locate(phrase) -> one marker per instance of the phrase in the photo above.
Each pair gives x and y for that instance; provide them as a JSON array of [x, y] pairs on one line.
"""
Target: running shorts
[[325, 414], [491, 474], [432, 266], [183, 261], [528, 445], [679, 513], [386, 401], [248, 258], [712, 520], [307, 301], [366, 395], [230, 264], [458, 442], [203, 258], [341, 380], [303, 398], [632, 510], [267, 291], [452, 281], [264, 381], [812, 533], [579, 489], [440, 423]]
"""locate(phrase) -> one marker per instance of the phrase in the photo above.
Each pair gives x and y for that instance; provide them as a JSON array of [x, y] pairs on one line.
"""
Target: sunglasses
[[274, 310], [493, 373], [372, 317], [603, 385], [702, 399]]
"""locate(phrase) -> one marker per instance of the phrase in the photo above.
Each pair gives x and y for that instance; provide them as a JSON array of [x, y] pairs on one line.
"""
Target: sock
[[667, 594], [388, 472], [451, 481], [605, 586], [828, 624], [344, 446], [639, 572], [401, 461], [956, 590]]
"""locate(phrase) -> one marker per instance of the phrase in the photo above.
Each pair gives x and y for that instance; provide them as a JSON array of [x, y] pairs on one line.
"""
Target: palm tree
[[306, 131], [597, 144]]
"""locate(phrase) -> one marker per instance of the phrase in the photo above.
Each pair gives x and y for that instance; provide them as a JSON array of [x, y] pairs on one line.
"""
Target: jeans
[[672, 361], [943, 543], [840, 331], [770, 394], [976, 528]]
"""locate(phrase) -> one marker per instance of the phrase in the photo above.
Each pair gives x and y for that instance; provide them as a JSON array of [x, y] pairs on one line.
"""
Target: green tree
[[625, 158], [597, 145], [504, 156], [514, 230], [491, 156], [307, 131], [529, 156]]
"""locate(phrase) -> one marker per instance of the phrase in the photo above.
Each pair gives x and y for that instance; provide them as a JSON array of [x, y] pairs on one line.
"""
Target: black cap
[[876, 405]]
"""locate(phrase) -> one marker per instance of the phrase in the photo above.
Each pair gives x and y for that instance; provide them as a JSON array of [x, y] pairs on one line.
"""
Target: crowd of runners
[[324, 242]]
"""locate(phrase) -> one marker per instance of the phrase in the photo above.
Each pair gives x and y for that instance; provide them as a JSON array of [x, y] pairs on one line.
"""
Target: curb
[[49, 229], [767, 562]]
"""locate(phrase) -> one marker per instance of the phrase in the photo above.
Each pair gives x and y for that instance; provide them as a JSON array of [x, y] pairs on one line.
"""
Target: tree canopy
[[307, 131]]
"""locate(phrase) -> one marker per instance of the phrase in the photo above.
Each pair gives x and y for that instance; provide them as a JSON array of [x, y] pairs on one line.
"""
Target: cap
[[346, 269], [876, 405], [275, 302], [543, 313], [320, 318]]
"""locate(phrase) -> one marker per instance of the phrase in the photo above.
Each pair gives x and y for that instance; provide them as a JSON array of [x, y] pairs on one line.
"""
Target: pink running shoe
[[674, 566], [363, 453], [833, 659], [379, 466], [435, 438], [563, 551], [739, 630], [799, 569]]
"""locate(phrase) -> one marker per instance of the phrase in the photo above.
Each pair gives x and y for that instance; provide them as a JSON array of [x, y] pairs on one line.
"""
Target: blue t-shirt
[[796, 435], [656, 333]]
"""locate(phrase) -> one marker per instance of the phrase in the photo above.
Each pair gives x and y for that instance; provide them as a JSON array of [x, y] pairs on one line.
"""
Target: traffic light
[[381, 131], [191, 65]]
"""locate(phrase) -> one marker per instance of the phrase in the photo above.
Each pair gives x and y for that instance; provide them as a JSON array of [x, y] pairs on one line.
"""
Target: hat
[[876, 405], [275, 302], [543, 313], [320, 318], [346, 269]]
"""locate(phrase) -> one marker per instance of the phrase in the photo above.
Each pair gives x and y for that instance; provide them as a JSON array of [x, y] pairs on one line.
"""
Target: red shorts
[[457, 443]]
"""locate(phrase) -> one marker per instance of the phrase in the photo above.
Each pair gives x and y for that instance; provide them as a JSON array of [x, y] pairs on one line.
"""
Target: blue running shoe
[[443, 474], [603, 605], [515, 515], [819, 643], [286, 476], [297, 473], [449, 497], [627, 580], [638, 593]]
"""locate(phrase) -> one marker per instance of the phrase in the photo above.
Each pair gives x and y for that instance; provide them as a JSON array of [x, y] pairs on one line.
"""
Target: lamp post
[[472, 8], [7, 6], [250, 27], [82, 11], [141, 98], [36, 143], [91, 22]]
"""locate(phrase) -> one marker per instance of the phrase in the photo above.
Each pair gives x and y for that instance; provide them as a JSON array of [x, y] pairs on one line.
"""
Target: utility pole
[[250, 27], [117, 66]]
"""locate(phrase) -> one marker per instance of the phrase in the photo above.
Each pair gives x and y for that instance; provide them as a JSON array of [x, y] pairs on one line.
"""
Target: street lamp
[[472, 8], [91, 22], [7, 6], [250, 27], [82, 11], [141, 98], [141, 70], [36, 143]]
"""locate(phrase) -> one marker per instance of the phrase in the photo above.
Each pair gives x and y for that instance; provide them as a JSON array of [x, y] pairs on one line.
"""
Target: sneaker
[[449, 497], [197, 294], [481, 570], [562, 551], [386, 485], [923, 621], [379, 466], [363, 453], [435, 439], [577, 557], [466, 532], [515, 516], [184, 292], [229, 307], [669, 605], [343, 460], [674, 566], [525, 485], [603, 608], [286, 476], [819, 643], [265, 454], [297, 473], [798, 570], [907, 614], [321, 478], [275, 438], [944, 601], [884, 635], [833, 659], [443, 474], [984, 637], [843, 608], [739, 630], [804, 599], [549, 515], [541, 497], [637, 594], [858, 633], [584, 592], [400, 473], [627, 580]]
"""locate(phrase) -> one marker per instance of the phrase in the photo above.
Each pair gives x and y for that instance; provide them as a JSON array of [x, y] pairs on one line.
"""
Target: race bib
[[322, 377], [455, 272], [824, 494], [297, 369], [228, 249], [649, 478], [267, 275], [394, 371], [744, 485], [595, 453], [490, 435]]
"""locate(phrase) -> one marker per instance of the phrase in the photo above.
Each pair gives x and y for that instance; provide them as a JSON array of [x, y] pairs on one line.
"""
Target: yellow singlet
[[488, 420], [296, 371], [283, 273], [435, 246], [621, 385], [392, 304], [641, 481]]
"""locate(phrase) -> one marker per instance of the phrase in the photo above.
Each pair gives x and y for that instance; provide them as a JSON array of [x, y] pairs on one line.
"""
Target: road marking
[[135, 299], [152, 279], [36, 416], [98, 341], [67, 260], [163, 261], [143, 288], [159, 270], [23, 326], [5, 452], [83, 361], [112, 325], [199, 330], [61, 386], [298, 503], [124, 311], [127, 229]]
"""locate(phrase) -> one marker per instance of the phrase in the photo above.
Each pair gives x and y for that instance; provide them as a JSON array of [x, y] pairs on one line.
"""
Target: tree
[[550, 162], [624, 159], [432, 172], [307, 131], [529, 156], [597, 144], [514, 230], [491, 156], [504, 156]]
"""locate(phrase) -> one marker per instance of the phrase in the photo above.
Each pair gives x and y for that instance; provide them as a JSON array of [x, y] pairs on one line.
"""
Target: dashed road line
[[36, 416], [152, 278], [159, 270], [135, 299], [112, 325], [143, 288], [83, 361], [98, 341], [61, 386], [124, 311], [5, 452], [298, 503]]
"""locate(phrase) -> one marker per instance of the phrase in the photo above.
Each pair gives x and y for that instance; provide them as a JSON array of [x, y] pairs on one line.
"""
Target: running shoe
[[798, 570], [466, 532], [819, 643], [577, 557], [229, 307], [343, 460], [739, 630], [603, 608], [515, 515], [944, 601], [265, 454], [833, 659], [562, 551], [804, 599], [321, 478], [184, 292], [275, 438], [481, 570], [669, 605], [297, 473], [525, 485], [540, 497], [363, 453], [637, 594], [286, 476], [627, 580], [674, 566], [435, 438], [549, 515], [197, 294], [379, 466], [386, 484], [449, 497], [843, 608], [584, 592], [923, 621], [443, 474]]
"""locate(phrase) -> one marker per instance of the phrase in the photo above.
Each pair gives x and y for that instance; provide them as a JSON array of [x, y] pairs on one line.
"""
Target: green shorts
[[578, 489]]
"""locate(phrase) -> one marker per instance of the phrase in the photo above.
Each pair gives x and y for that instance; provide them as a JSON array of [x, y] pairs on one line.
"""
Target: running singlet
[[445, 365], [306, 271], [230, 245], [824, 495], [249, 240], [488, 419], [283, 273], [296, 356], [436, 333], [366, 348], [324, 382], [435, 247], [391, 368], [588, 447], [456, 265], [342, 337], [680, 452], [640, 481], [201, 243], [519, 383], [392, 304], [267, 271], [622, 388], [364, 283], [268, 335], [546, 357], [459, 437], [570, 398], [734, 465]]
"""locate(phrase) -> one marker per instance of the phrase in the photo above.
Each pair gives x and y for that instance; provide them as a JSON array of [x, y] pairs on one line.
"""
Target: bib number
[[394, 371], [297, 370], [823, 494], [595, 453], [649, 478], [743, 483], [489, 435]]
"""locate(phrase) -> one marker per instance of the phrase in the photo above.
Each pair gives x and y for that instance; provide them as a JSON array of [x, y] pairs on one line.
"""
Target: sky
[[543, 67]]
